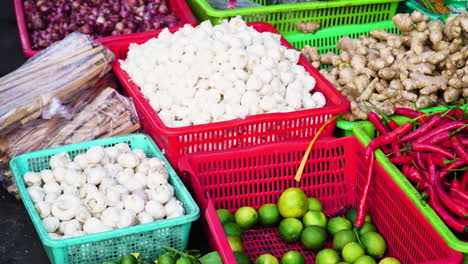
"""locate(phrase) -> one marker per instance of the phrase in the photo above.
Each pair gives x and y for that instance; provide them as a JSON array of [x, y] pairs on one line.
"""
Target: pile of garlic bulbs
[[206, 74], [101, 190]]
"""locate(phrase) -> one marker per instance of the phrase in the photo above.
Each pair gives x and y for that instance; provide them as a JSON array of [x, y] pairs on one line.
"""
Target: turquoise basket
[[146, 239]]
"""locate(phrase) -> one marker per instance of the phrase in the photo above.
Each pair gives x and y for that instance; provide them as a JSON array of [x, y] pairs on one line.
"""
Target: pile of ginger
[[426, 65]]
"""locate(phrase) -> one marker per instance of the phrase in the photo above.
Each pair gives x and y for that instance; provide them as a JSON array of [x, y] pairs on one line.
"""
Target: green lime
[[365, 260], [225, 216], [316, 218], [314, 237], [314, 204], [269, 215], [337, 224], [367, 227], [232, 229], [128, 259], [242, 258], [342, 238], [374, 244], [293, 257], [236, 243], [266, 259], [327, 256], [246, 217], [184, 260], [166, 259], [351, 215], [290, 230], [352, 251], [389, 260], [292, 203]]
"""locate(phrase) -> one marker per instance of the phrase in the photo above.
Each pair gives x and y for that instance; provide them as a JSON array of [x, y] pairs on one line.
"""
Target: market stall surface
[[19, 242]]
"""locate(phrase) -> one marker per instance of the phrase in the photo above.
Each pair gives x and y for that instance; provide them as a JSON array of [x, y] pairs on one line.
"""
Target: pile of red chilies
[[433, 156]]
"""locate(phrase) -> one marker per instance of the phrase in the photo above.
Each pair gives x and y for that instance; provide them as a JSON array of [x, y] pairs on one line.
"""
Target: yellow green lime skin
[[365, 260], [314, 204], [327, 256], [337, 224], [269, 215], [225, 216], [293, 203], [232, 229], [236, 243], [290, 230], [342, 238], [317, 218], [374, 244], [389, 260], [352, 251], [266, 259], [246, 217], [293, 257], [314, 237]]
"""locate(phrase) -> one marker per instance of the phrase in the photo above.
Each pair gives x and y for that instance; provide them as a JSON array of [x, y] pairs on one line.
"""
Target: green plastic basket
[[365, 132], [325, 40], [146, 239], [285, 17]]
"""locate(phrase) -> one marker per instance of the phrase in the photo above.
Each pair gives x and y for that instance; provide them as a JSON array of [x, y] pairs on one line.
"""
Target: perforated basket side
[[335, 173], [285, 17], [96, 248]]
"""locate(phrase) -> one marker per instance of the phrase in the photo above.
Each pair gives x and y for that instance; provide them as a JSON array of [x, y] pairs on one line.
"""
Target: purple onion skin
[[51, 20]]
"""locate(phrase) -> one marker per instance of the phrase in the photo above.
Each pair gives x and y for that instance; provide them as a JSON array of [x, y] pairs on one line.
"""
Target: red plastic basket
[[179, 7], [234, 133], [335, 174]]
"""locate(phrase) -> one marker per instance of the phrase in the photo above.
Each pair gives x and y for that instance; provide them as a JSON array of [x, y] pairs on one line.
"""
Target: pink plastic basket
[[179, 7], [335, 173], [234, 133]]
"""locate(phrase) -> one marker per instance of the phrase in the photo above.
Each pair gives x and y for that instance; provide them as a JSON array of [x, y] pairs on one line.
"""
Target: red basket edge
[[340, 106], [215, 226], [180, 8]]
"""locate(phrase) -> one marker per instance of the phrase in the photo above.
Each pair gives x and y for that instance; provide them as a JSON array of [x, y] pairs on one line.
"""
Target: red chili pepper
[[402, 160], [442, 128], [438, 138], [459, 201], [407, 112], [362, 206], [395, 150], [448, 202], [379, 125], [420, 162], [459, 149], [405, 169], [464, 182], [392, 125], [414, 175], [459, 113], [432, 148], [451, 221], [388, 138], [422, 130], [460, 195], [439, 160], [446, 171]]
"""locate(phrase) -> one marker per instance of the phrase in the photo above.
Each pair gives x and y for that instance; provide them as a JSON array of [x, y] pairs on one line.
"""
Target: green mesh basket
[[365, 132], [285, 17], [146, 239]]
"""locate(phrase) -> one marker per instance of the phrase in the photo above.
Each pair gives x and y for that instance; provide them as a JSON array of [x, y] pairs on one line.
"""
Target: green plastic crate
[[325, 40], [146, 239], [365, 132], [285, 17]]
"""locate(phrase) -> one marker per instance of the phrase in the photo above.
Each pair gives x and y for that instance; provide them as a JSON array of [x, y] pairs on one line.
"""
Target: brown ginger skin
[[426, 65]]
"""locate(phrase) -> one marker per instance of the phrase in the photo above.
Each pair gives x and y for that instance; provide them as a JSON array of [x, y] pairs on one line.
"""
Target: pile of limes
[[300, 218]]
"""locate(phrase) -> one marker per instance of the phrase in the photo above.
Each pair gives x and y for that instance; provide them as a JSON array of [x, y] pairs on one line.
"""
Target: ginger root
[[308, 27], [426, 65]]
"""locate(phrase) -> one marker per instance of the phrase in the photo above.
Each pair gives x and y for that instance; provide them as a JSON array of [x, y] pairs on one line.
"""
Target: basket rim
[[181, 5], [411, 192], [113, 234], [209, 10], [341, 106]]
